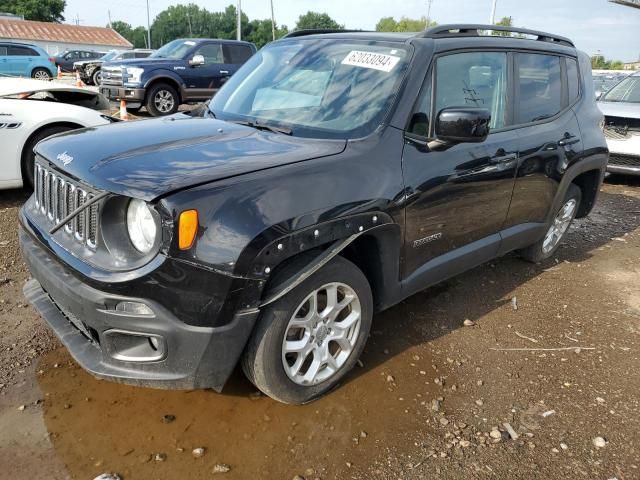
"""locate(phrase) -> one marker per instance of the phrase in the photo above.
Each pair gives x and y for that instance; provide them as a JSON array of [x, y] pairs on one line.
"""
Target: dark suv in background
[[182, 71], [331, 177], [67, 58]]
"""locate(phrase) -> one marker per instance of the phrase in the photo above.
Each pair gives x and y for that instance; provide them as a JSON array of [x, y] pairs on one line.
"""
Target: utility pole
[[189, 21], [273, 23], [109, 14], [493, 12], [239, 26], [429, 2], [148, 27]]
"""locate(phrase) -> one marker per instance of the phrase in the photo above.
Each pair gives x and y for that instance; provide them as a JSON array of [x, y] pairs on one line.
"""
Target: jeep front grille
[[57, 196]]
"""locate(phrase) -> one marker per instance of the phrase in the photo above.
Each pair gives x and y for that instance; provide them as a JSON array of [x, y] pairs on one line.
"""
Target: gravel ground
[[436, 395]]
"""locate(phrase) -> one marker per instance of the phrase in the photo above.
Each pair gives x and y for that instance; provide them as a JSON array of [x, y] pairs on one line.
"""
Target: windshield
[[628, 90], [316, 88], [109, 56], [176, 49]]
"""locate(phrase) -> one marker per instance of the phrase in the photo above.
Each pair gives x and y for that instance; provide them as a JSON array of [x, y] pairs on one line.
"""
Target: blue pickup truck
[[182, 71]]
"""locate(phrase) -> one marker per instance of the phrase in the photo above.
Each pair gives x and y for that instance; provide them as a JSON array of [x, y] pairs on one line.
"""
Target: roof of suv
[[221, 40], [442, 32]]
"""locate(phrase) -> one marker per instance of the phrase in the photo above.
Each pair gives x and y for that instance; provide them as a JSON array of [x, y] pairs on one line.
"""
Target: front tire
[[41, 74], [96, 78], [307, 341], [557, 230], [162, 99]]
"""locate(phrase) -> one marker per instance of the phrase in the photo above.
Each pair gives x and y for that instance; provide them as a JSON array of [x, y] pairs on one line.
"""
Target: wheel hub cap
[[559, 226], [321, 334]]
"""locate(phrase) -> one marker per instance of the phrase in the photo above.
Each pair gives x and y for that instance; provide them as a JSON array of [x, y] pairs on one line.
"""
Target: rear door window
[[237, 54], [538, 87], [22, 52]]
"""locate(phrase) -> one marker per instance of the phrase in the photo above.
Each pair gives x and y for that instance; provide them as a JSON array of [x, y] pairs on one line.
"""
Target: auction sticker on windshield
[[376, 61]]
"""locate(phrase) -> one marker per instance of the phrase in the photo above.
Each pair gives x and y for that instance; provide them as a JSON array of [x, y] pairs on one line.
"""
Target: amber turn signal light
[[187, 229]]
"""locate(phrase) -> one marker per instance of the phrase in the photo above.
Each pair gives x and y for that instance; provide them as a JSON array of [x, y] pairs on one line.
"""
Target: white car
[[32, 110], [621, 109]]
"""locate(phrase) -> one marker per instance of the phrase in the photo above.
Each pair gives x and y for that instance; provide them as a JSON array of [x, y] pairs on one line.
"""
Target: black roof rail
[[473, 30], [318, 31]]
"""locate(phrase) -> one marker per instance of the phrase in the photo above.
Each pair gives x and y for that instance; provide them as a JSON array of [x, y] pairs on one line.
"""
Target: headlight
[[141, 226], [134, 74]]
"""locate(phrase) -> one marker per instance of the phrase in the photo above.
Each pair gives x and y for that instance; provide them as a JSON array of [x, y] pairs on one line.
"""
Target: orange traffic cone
[[59, 73], [124, 115], [79, 82]]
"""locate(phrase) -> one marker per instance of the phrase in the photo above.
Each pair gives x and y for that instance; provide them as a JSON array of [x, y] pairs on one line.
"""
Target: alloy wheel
[[559, 226], [164, 101], [321, 334]]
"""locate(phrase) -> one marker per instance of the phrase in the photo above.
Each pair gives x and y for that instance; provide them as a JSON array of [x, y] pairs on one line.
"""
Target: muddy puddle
[[98, 426]]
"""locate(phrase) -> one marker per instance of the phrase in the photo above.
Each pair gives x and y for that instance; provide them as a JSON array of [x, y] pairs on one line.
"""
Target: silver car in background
[[621, 109]]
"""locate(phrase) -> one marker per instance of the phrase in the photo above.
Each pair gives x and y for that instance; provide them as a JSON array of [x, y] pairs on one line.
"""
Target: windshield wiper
[[263, 126]]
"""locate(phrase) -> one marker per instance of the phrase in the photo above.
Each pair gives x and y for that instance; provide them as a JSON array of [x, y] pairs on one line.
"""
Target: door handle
[[224, 72], [565, 142]]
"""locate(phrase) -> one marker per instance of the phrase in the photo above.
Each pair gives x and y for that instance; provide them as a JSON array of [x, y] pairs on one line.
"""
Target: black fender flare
[[596, 161], [325, 240]]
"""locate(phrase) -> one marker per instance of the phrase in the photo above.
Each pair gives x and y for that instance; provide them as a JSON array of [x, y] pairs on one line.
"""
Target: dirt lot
[[423, 403]]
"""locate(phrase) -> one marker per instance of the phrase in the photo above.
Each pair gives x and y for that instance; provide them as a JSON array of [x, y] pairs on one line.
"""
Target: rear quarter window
[[237, 54], [3, 51], [538, 86], [573, 80]]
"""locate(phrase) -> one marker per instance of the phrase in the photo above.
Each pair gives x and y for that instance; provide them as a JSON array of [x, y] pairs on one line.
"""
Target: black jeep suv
[[333, 176], [182, 71]]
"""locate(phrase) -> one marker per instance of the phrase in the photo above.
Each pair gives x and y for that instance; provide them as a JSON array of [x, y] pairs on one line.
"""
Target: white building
[[58, 37]]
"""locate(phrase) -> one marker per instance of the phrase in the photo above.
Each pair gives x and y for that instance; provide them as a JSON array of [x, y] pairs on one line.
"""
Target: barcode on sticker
[[376, 61]]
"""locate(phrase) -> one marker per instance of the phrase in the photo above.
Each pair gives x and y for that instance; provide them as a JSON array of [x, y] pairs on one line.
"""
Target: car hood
[[11, 86], [620, 109], [151, 158], [143, 62]]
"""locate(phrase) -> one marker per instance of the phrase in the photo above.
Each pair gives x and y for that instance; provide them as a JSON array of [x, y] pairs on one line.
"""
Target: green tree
[[137, 36], [504, 22], [260, 32], [313, 20], [42, 10], [598, 62], [405, 24]]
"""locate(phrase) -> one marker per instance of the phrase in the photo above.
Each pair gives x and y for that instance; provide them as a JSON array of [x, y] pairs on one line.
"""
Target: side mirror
[[463, 125], [196, 60]]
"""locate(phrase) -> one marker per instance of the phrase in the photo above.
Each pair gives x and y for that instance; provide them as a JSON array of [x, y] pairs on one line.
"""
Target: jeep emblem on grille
[[65, 158]]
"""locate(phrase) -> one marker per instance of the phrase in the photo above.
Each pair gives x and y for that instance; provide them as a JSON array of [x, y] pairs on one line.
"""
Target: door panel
[[458, 194], [546, 151], [205, 80], [549, 140]]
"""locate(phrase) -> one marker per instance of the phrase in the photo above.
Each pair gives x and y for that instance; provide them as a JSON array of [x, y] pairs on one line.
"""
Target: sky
[[594, 25]]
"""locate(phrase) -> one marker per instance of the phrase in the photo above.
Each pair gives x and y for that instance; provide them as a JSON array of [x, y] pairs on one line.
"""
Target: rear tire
[[162, 99], [557, 229], [332, 337], [96, 78], [28, 157], [41, 74]]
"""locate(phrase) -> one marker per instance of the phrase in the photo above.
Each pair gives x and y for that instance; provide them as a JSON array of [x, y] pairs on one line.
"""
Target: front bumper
[[624, 153], [123, 93], [624, 164], [93, 332]]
